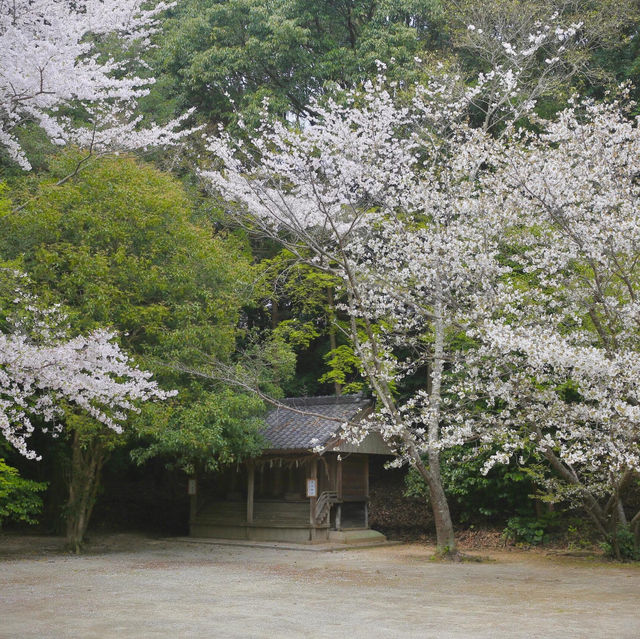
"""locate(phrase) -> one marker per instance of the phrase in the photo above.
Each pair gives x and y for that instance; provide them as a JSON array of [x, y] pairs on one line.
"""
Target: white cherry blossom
[[40, 368], [47, 61]]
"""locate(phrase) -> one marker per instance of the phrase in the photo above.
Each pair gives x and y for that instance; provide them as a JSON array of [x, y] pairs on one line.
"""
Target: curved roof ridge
[[319, 400]]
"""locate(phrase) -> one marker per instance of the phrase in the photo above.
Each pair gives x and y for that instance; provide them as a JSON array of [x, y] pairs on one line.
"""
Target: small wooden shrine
[[309, 484]]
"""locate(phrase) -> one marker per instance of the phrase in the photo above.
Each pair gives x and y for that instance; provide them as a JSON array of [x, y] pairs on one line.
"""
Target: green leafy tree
[[217, 54], [118, 246], [302, 310], [205, 435]]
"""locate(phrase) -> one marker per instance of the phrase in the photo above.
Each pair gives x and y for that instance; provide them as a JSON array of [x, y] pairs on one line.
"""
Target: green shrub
[[474, 497], [531, 531], [19, 498], [627, 549]]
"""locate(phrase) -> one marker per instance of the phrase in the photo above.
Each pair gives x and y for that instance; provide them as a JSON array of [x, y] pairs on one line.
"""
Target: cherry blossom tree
[[42, 369], [381, 191], [323, 192], [377, 194], [50, 378], [48, 61], [557, 367]]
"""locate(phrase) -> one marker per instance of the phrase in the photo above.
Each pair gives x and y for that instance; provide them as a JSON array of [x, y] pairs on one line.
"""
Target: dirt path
[[133, 587]]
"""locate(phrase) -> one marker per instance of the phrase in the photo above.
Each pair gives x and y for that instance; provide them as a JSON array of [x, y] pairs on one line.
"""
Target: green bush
[[627, 549], [474, 497], [19, 498], [526, 530]]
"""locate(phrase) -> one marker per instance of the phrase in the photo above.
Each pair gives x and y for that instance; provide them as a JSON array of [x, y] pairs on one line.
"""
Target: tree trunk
[[445, 538], [333, 343], [446, 546], [86, 465], [622, 517]]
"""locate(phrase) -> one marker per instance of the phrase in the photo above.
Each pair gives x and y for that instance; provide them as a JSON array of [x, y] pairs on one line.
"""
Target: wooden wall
[[355, 477]]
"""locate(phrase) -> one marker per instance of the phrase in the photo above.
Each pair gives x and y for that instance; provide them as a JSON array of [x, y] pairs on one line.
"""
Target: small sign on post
[[312, 487], [192, 487]]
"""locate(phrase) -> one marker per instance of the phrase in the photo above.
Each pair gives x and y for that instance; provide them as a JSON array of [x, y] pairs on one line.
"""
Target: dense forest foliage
[[136, 239]]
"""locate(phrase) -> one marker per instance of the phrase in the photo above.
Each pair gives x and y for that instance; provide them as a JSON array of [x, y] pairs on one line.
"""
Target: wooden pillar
[[250, 487], [366, 491], [313, 474], [277, 483], [366, 476], [261, 484], [339, 492], [193, 499]]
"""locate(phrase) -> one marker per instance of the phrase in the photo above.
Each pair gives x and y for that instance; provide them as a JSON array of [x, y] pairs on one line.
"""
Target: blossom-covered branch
[[41, 369], [48, 60]]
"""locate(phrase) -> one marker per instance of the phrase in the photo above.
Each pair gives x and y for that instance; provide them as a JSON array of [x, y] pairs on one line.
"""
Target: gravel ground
[[129, 586]]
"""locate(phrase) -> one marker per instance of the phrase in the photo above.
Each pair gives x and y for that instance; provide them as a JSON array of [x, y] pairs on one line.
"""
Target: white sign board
[[191, 487], [312, 487]]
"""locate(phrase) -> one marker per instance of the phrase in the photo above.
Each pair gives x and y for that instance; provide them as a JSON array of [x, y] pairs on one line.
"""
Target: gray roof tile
[[289, 430]]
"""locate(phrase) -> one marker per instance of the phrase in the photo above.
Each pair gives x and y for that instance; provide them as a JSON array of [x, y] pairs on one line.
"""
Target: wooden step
[[268, 513]]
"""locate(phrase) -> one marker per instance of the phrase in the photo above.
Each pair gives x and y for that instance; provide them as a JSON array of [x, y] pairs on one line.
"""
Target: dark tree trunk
[[86, 466]]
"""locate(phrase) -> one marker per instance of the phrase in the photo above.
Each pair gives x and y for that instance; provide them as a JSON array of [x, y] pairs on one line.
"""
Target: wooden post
[[313, 474], [276, 482], [250, 486], [261, 484], [339, 492], [366, 491], [193, 499], [366, 476]]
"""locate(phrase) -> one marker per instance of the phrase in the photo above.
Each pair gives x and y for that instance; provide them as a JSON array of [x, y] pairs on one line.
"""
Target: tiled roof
[[289, 430]]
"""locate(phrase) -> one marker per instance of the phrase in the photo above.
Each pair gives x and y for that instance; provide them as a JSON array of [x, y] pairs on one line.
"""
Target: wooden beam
[[250, 487]]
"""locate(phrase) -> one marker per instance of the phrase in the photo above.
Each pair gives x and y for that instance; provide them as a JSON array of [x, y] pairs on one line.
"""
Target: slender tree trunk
[[622, 518], [445, 538], [275, 312], [86, 466], [333, 344]]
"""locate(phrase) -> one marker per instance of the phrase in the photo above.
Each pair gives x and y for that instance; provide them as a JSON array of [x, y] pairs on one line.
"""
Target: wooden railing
[[323, 506]]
